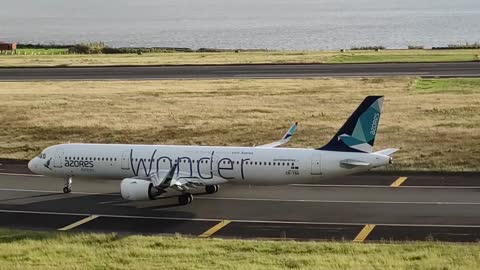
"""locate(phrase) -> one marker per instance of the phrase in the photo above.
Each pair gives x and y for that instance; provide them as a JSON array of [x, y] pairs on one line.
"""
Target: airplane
[[148, 171]]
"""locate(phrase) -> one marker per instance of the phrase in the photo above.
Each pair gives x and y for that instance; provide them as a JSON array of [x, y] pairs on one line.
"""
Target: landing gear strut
[[67, 188], [185, 199], [211, 189]]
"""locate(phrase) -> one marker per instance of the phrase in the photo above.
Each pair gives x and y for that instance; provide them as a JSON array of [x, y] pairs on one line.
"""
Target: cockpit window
[[42, 155]]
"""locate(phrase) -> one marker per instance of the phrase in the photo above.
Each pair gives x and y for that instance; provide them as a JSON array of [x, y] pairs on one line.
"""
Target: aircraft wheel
[[67, 190], [185, 199], [211, 189]]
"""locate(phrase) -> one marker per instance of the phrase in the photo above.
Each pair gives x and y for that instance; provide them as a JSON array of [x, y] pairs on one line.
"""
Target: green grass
[[406, 56], [44, 250], [42, 57], [436, 129], [451, 85]]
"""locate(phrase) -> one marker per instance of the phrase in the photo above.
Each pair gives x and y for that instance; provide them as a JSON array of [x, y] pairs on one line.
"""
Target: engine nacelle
[[138, 190]]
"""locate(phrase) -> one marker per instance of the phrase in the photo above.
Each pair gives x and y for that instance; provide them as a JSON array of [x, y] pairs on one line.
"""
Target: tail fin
[[358, 133]]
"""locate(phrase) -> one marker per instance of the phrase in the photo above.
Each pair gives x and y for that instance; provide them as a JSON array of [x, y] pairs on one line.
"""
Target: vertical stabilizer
[[358, 133]]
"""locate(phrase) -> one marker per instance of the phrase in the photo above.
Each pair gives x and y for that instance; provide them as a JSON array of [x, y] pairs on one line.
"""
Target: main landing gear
[[185, 199], [67, 187], [211, 189]]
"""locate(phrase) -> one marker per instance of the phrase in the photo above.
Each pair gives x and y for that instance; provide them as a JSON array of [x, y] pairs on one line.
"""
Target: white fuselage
[[211, 164]]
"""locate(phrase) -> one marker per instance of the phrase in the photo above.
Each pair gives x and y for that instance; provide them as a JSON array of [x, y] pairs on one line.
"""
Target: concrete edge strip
[[363, 234], [398, 182], [215, 228], [78, 223]]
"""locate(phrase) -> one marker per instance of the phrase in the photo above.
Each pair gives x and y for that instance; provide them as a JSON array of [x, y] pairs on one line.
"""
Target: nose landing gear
[[67, 187]]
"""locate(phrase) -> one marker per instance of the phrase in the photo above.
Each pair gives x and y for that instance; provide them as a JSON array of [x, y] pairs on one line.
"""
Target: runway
[[355, 208], [451, 69]]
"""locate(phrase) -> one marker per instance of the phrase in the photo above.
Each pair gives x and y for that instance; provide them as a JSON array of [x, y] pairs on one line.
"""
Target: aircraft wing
[[283, 140], [177, 182]]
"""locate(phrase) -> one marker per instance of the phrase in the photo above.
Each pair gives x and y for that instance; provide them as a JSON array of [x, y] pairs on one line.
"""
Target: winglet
[[290, 132], [284, 139]]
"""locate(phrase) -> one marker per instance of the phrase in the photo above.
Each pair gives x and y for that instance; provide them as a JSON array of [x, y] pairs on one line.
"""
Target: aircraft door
[[316, 163], [125, 162], [58, 159]]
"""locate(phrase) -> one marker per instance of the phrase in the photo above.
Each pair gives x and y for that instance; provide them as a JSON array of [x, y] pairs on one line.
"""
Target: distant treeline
[[102, 48], [475, 45]]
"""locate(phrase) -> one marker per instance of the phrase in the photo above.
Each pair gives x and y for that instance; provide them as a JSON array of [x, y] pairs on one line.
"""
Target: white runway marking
[[385, 186], [338, 201], [57, 191], [21, 174], [239, 220], [266, 199]]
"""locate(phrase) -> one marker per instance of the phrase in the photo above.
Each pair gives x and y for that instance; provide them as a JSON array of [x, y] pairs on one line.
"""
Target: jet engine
[[138, 190]]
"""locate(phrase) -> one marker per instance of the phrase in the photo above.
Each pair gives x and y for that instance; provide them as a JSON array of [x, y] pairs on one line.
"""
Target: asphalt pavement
[[449, 69], [367, 207]]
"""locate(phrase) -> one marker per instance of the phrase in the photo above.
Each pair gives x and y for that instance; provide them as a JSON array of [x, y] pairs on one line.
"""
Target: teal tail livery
[[358, 133]]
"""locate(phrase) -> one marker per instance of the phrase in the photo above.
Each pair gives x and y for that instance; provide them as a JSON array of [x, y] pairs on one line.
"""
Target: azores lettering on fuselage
[[79, 163]]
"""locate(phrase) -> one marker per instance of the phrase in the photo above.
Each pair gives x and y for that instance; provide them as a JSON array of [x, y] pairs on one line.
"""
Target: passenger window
[[283, 164], [115, 159], [288, 164], [269, 163]]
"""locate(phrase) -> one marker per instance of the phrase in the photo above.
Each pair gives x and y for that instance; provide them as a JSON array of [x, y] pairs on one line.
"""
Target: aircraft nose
[[32, 165]]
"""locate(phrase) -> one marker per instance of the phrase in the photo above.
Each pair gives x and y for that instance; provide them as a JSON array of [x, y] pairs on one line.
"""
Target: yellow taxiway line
[[363, 234], [78, 223], [215, 228], [398, 182]]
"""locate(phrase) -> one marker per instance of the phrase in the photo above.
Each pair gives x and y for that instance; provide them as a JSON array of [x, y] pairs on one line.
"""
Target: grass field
[[42, 250], [276, 57], [435, 122]]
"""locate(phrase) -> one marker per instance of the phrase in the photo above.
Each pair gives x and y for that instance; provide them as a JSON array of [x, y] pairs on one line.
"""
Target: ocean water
[[269, 24]]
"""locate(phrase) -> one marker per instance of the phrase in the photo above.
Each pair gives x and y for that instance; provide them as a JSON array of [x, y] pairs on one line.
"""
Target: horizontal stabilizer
[[352, 162], [387, 152], [284, 139]]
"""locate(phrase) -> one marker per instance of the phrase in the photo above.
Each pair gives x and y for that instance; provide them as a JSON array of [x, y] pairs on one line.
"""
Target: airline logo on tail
[[358, 133], [365, 129]]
